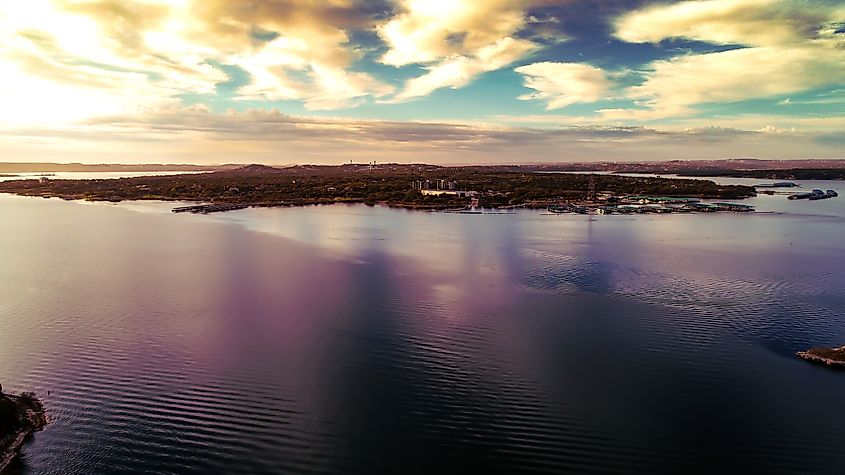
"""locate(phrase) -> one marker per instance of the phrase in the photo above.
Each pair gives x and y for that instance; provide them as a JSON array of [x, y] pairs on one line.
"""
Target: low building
[[459, 193], [421, 185], [435, 185]]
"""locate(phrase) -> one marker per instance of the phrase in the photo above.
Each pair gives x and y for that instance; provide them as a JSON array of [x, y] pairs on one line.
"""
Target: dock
[[643, 205], [208, 208], [779, 184]]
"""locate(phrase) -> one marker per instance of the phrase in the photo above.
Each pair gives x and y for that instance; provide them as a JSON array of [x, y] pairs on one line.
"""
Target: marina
[[647, 205], [814, 195]]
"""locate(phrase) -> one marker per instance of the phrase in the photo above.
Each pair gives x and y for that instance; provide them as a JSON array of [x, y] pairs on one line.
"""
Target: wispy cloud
[[198, 135], [784, 47], [456, 40], [458, 71]]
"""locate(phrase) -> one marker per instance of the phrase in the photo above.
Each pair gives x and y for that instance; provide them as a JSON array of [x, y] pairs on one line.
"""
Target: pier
[[208, 208]]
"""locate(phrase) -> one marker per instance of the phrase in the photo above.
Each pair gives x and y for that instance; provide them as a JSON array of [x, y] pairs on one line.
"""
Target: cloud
[[458, 71], [563, 84], [63, 61], [429, 30], [119, 54], [310, 57], [58, 62], [836, 96], [197, 135], [285, 68], [456, 39], [742, 22], [683, 82], [826, 124], [784, 47]]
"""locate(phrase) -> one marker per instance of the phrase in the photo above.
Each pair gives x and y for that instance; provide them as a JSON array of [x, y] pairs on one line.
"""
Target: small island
[[20, 417], [831, 357]]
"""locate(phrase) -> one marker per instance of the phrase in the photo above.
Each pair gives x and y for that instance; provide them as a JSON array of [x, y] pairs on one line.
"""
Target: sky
[[435, 81]]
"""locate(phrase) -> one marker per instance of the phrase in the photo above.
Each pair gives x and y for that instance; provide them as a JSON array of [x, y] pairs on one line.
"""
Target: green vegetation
[[13, 412], [19, 417], [9, 416], [390, 184]]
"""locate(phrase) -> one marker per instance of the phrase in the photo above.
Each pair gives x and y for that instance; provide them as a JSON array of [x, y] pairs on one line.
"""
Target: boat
[[568, 208], [814, 195]]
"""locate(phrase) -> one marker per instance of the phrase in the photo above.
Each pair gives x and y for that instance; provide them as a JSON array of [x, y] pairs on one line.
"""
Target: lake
[[354, 339], [86, 175]]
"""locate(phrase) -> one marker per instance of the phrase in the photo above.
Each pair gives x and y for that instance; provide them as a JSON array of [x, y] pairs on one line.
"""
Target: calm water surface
[[349, 339], [87, 175]]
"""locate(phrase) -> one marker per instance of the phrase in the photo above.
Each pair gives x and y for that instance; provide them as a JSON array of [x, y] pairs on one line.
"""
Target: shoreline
[[401, 186], [198, 206], [833, 358], [32, 418]]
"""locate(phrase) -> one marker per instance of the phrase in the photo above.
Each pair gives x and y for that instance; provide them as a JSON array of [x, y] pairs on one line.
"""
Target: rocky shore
[[20, 417], [831, 357]]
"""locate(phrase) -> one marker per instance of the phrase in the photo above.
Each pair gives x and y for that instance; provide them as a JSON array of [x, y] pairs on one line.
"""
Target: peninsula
[[832, 357], [417, 186], [20, 416], [815, 169], [782, 174]]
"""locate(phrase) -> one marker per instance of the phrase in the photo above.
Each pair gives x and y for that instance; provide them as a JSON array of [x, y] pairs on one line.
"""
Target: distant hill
[[688, 167], [253, 169], [685, 167]]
